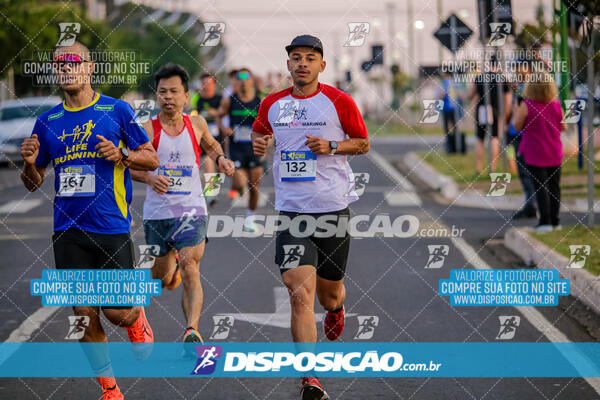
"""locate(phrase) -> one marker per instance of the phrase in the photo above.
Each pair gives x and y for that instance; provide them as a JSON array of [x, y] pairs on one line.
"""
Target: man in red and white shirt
[[315, 127]]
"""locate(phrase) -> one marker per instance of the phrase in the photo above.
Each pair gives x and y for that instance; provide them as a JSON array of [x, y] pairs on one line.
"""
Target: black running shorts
[[329, 255], [77, 249]]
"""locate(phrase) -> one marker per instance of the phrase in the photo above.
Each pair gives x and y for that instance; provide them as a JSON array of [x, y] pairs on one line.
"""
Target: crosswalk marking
[[20, 206]]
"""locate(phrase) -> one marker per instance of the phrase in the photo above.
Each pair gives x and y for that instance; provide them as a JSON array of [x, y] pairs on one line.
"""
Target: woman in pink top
[[540, 117]]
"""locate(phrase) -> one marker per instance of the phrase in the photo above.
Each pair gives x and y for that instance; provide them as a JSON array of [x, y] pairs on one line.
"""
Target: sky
[[257, 31]]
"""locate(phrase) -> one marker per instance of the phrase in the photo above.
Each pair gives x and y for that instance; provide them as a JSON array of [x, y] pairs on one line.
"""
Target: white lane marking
[[391, 171], [532, 315], [25, 330], [404, 194], [20, 206], [281, 318], [22, 237], [242, 202], [402, 199]]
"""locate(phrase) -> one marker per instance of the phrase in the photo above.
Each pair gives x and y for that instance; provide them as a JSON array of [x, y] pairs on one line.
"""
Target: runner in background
[[242, 109], [208, 107]]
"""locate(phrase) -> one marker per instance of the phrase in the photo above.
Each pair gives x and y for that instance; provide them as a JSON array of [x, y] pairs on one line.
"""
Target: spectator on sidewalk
[[450, 113], [489, 116], [514, 139], [540, 118]]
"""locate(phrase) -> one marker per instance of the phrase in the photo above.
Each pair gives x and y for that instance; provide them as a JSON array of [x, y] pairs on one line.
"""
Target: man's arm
[[143, 158], [223, 111], [32, 175], [352, 146], [139, 176], [260, 143], [212, 148]]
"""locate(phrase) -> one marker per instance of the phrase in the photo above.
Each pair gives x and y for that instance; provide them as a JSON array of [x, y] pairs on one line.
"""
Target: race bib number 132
[[77, 181], [296, 166]]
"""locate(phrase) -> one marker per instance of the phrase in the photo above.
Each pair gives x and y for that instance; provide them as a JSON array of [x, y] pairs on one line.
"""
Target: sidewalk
[[583, 285], [450, 190]]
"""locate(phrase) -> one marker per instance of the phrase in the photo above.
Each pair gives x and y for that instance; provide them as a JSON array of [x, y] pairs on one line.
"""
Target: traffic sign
[[453, 33]]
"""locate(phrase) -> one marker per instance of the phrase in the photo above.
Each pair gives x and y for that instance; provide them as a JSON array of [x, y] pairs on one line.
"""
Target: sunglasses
[[71, 60], [243, 75]]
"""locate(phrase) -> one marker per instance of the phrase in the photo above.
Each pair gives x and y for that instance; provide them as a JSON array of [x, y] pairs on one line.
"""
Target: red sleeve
[[261, 123], [352, 122]]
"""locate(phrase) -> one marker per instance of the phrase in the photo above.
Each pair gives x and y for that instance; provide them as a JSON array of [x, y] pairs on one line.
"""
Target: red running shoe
[[334, 324], [110, 389], [312, 389], [141, 336]]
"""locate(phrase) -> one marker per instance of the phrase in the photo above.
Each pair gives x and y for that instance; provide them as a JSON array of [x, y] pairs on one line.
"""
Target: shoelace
[[136, 331]]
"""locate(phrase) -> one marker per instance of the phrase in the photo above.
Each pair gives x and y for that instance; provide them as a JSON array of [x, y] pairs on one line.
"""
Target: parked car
[[17, 118]]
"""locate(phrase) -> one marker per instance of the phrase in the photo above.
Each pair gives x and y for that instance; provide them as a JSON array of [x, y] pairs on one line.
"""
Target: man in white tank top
[[175, 217], [315, 127]]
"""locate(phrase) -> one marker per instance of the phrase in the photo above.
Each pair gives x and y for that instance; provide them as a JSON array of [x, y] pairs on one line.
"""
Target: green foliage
[[160, 45], [531, 36], [30, 27]]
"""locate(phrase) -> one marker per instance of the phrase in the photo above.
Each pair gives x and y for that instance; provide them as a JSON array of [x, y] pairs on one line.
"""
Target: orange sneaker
[[175, 281], [141, 336], [110, 389], [176, 276]]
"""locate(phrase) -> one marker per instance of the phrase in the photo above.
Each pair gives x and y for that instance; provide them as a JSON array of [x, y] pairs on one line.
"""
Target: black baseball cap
[[305, 41]]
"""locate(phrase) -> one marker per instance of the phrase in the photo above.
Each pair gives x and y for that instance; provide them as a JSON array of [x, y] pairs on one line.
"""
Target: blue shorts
[[242, 155], [175, 233]]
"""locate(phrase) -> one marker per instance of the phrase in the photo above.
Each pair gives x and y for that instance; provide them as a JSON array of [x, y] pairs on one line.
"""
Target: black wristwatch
[[124, 153], [333, 145]]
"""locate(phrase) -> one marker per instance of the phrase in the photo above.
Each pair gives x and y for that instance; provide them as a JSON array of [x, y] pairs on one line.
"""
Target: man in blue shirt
[[92, 140]]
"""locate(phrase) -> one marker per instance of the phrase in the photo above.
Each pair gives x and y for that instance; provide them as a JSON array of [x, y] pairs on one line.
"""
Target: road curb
[[583, 285], [425, 172], [448, 188]]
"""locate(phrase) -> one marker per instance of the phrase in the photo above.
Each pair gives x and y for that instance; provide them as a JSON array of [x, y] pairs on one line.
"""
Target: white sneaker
[[249, 224], [556, 227], [543, 228]]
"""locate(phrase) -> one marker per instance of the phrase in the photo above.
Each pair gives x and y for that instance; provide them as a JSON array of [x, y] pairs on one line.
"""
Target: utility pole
[[411, 39], [440, 50], [500, 95], [564, 54], [591, 88]]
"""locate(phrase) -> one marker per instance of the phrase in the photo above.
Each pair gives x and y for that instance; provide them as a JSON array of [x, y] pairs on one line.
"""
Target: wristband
[[217, 159]]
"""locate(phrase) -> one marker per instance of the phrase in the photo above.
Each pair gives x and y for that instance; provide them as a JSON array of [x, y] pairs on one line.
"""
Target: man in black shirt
[[208, 106], [494, 81]]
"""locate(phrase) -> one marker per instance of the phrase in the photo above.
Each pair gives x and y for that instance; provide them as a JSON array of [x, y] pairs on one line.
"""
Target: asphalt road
[[386, 277]]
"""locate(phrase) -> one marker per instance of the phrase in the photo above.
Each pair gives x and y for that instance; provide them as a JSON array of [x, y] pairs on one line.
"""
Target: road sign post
[[453, 33]]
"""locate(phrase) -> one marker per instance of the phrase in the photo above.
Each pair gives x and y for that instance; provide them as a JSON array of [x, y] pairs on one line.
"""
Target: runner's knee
[[189, 267], [330, 300]]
